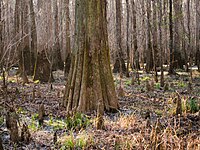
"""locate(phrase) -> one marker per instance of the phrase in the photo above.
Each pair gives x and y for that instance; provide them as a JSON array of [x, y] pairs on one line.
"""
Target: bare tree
[[57, 62], [149, 53], [155, 41], [68, 45], [198, 34], [160, 43], [33, 37], [21, 31], [33, 31], [135, 53], [178, 62], [171, 38], [1, 35], [119, 64], [127, 37]]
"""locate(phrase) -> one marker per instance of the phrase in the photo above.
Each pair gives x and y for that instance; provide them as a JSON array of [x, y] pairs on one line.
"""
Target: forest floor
[[146, 120]]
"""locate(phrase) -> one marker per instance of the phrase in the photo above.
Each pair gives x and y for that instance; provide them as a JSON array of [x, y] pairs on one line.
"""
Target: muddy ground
[[146, 119]]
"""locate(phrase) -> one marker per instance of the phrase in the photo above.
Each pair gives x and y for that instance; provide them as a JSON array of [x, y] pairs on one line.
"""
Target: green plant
[[57, 124], [37, 81], [69, 143], [158, 112], [181, 84], [193, 105], [81, 142], [157, 85], [127, 82], [34, 116], [172, 110], [1, 120], [51, 120], [145, 78], [32, 126], [77, 121], [21, 111], [116, 82]]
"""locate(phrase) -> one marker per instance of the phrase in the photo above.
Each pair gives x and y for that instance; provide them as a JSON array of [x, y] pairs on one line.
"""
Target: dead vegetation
[[150, 117]]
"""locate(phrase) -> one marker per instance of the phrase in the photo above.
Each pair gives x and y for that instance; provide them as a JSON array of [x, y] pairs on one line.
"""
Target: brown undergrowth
[[147, 118]]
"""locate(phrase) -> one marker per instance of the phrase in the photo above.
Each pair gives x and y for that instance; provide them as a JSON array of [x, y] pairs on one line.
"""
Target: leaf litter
[[146, 119]]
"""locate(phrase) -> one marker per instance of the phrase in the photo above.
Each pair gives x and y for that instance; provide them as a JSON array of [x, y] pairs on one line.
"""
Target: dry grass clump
[[129, 132]]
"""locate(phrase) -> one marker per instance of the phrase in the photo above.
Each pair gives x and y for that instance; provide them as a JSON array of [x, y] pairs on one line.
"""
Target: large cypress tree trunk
[[90, 83]]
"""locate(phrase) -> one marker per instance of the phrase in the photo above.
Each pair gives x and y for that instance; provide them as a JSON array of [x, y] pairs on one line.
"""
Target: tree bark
[[68, 45], [160, 43], [1, 36], [22, 40], [155, 41], [171, 46], [56, 59], [189, 53], [135, 57], [198, 34], [149, 53], [26, 37], [33, 37], [33, 33], [178, 59], [127, 37], [119, 64], [1, 144], [90, 83]]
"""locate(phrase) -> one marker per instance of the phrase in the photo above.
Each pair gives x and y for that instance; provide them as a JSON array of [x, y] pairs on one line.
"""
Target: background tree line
[[141, 34]]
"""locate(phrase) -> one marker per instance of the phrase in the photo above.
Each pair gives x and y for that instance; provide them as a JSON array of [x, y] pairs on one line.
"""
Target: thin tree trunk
[[127, 38], [56, 59], [149, 54], [33, 38], [1, 36], [198, 34], [68, 45], [155, 42], [119, 65], [22, 42], [135, 53], [171, 47], [160, 43], [166, 57], [178, 60], [189, 48], [189, 33]]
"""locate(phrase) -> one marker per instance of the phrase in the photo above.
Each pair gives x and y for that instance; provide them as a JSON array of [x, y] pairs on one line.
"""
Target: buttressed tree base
[[90, 83]]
